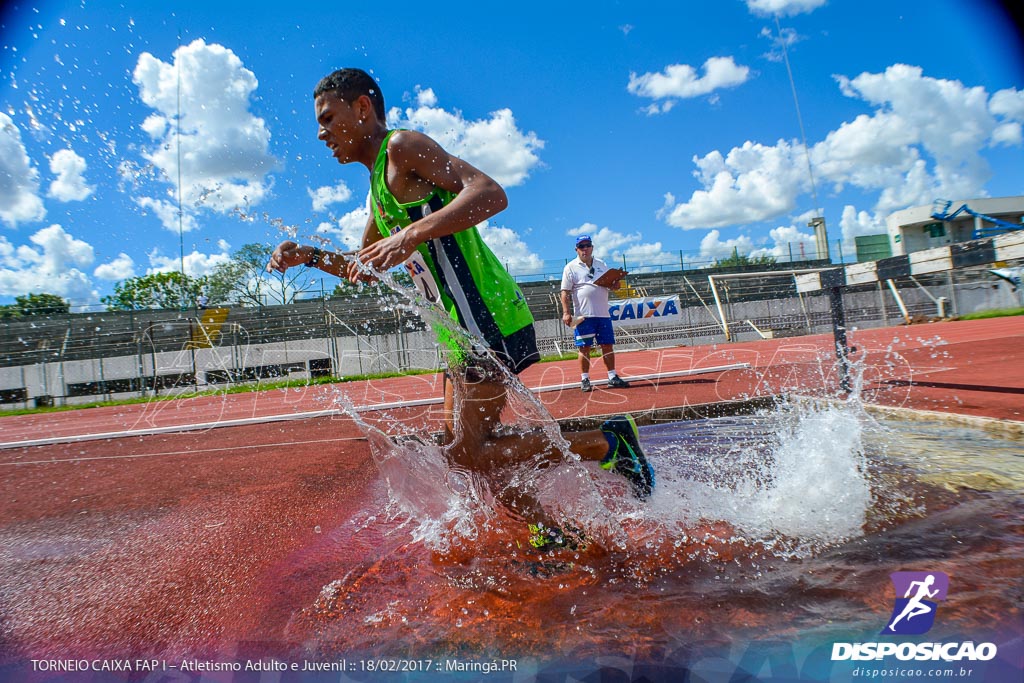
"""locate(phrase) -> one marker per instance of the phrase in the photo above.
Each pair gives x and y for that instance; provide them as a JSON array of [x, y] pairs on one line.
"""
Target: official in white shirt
[[589, 317]]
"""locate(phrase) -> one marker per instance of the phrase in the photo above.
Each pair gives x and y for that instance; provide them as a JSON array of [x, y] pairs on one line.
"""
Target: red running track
[[187, 541]]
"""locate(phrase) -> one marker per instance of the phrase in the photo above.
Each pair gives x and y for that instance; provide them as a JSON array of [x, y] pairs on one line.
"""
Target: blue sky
[[667, 130]]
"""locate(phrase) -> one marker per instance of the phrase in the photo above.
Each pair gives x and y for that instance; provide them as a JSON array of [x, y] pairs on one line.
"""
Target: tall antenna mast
[[818, 222], [181, 230]]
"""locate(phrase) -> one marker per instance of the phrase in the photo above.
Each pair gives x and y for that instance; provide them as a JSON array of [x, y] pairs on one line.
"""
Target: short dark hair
[[349, 84]]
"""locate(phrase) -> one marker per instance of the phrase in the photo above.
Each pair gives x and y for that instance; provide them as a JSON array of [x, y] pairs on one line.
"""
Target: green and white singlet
[[459, 272]]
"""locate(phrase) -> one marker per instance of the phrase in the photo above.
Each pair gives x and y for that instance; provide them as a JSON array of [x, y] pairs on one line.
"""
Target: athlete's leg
[[472, 420]]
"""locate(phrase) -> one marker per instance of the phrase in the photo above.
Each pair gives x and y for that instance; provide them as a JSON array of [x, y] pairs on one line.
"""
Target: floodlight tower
[[820, 237]]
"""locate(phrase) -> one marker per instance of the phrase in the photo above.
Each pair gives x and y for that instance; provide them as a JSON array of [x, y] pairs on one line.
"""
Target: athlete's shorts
[[516, 352], [594, 330]]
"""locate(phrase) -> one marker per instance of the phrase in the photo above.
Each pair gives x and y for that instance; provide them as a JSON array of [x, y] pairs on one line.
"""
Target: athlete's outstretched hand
[[288, 254]]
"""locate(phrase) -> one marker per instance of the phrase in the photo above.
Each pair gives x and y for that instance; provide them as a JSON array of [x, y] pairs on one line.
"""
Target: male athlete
[[425, 205]]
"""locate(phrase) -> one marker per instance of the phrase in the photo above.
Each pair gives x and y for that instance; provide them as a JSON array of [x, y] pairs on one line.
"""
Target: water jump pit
[[772, 539]]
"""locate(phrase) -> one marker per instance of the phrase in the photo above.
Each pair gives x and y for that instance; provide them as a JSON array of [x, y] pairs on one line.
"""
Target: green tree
[[34, 304], [157, 290], [738, 259], [244, 279]]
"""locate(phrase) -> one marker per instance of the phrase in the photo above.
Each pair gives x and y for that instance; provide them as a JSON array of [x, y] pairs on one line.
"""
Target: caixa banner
[[649, 310]]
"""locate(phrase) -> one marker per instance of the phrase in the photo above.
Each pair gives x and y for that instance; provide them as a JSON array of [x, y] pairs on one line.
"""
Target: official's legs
[[604, 335], [608, 354], [584, 356]]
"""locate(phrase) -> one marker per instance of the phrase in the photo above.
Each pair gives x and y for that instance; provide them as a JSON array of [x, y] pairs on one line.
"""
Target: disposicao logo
[[914, 613], [917, 597]]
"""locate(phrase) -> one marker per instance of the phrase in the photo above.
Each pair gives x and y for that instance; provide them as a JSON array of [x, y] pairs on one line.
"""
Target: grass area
[[994, 313], [241, 389], [564, 356]]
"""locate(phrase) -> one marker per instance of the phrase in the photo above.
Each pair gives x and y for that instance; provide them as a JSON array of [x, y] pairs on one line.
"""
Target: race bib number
[[422, 278]]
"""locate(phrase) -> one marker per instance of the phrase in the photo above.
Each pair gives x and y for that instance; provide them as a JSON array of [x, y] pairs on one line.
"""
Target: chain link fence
[[91, 357]]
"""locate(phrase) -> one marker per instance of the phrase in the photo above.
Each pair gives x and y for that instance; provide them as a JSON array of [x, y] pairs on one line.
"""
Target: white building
[[917, 229]]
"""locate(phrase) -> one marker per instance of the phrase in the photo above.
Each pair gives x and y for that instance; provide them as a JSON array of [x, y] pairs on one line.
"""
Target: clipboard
[[610, 276]]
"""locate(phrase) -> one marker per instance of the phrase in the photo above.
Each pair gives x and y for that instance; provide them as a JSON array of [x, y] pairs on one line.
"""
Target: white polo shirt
[[588, 300]]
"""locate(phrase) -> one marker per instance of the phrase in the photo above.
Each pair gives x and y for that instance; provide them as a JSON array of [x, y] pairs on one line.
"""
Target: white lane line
[[195, 451]]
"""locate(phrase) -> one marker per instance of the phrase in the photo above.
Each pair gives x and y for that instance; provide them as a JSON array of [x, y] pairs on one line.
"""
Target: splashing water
[[800, 485], [445, 503]]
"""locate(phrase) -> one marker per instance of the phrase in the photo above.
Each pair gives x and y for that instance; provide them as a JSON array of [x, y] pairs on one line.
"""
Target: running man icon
[[916, 609]]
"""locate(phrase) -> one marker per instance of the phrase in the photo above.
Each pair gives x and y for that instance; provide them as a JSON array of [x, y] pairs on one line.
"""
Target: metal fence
[[85, 358]]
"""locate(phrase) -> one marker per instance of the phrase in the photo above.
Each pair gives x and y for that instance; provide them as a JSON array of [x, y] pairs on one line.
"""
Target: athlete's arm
[[289, 254], [419, 165]]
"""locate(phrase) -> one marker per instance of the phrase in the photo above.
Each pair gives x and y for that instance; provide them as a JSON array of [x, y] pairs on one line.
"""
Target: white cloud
[[784, 243], [225, 158], [347, 230], [426, 97], [19, 181], [752, 183], [789, 243], [325, 196], [922, 140], [781, 41], [167, 212], [69, 185], [196, 263], [52, 266], [950, 120], [612, 246], [1009, 105], [713, 248], [783, 7], [857, 223], [121, 268], [1008, 134], [510, 249], [495, 145], [156, 126], [680, 81], [60, 249]]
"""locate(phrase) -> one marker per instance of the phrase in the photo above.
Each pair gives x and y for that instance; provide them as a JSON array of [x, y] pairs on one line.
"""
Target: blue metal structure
[[940, 211]]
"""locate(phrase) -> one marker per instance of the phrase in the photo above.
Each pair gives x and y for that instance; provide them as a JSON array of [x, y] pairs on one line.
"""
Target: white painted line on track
[[195, 451], [287, 417]]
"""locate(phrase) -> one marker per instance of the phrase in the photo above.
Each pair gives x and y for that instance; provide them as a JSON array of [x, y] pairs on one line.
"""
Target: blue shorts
[[594, 330]]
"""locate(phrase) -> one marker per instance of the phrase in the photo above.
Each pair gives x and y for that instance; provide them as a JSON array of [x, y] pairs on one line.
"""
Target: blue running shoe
[[625, 455]]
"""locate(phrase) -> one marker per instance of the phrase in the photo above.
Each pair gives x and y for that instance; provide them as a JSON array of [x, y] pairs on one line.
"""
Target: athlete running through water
[[425, 205]]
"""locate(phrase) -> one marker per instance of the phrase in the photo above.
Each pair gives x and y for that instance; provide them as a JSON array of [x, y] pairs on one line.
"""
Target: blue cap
[[583, 238]]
